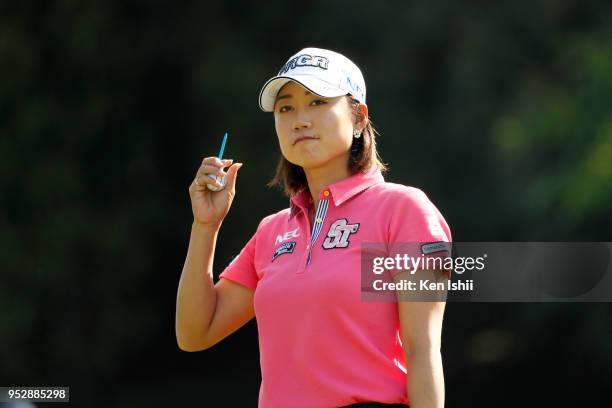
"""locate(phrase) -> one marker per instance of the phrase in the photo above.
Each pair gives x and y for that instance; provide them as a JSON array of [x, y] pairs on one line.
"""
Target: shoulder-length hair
[[363, 156]]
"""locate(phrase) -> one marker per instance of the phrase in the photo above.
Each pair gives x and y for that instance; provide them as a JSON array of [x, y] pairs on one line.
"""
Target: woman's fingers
[[214, 170], [198, 184], [215, 161], [232, 172], [211, 166]]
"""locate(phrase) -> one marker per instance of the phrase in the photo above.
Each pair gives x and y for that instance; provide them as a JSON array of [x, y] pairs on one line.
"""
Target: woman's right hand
[[210, 207]]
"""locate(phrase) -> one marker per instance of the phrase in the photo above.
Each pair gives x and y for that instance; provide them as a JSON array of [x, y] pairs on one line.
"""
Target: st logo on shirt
[[339, 233]]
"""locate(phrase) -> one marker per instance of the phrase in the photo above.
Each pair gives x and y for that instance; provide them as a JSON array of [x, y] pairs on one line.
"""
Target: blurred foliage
[[556, 141], [500, 111]]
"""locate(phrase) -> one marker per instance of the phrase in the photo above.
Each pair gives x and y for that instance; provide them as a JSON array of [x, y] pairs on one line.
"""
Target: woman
[[321, 345]]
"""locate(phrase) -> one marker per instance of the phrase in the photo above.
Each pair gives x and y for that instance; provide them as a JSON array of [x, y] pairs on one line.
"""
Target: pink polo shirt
[[320, 345]]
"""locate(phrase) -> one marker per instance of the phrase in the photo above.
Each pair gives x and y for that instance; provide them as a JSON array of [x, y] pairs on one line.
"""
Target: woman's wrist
[[211, 228]]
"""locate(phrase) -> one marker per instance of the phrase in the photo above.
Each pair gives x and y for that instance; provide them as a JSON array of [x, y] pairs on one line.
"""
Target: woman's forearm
[[196, 297], [425, 385]]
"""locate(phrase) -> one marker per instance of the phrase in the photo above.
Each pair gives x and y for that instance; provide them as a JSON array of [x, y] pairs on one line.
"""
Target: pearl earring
[[356, 134]]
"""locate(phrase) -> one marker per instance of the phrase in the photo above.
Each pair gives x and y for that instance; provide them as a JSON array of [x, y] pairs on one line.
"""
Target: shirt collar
[[340, 191]]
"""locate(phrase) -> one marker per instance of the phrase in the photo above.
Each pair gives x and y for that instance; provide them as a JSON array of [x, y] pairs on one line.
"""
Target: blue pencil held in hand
[[222, 180]]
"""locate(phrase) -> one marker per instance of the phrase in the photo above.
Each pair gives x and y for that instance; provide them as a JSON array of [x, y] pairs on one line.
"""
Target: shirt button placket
[[321, 213], [306, 237]]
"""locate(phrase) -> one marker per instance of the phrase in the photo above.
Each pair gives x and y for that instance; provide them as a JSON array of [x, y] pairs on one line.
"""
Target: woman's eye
[[317, 102], [284, 108]]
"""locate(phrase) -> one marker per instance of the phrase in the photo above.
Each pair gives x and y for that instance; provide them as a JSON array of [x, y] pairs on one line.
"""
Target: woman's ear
[[362, 119]]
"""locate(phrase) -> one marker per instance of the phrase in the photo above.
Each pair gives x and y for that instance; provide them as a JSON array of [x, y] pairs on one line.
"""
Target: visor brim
[[269, 92]]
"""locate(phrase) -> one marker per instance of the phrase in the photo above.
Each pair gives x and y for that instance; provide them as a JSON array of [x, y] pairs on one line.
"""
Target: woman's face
[[313, 131]]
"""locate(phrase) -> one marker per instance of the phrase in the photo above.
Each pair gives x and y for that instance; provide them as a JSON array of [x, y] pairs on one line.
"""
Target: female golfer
[[321, 343]]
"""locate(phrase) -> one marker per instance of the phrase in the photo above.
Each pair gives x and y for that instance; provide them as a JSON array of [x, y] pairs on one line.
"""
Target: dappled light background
[[500, 111]]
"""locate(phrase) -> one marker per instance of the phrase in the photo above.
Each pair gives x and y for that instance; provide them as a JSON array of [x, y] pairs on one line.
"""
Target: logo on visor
[[304, 60]]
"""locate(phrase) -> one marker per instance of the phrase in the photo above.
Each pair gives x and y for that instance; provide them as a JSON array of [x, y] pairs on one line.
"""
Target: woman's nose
[[301, 123]]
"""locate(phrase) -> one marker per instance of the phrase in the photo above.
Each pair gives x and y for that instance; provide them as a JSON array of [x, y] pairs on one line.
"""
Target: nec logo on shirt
[[338, 234], [287, 235]]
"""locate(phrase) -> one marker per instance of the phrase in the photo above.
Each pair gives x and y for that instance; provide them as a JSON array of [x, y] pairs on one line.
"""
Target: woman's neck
[[318, 179]]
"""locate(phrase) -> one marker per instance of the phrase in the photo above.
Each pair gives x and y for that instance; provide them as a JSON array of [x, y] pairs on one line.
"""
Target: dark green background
[[500, 111]]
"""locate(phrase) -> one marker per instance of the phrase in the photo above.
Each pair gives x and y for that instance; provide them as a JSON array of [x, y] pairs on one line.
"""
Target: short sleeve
[[418, 230], [416, 219], [242, 268]]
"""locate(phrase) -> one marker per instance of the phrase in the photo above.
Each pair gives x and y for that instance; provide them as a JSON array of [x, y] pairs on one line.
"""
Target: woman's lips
[[304, 138]]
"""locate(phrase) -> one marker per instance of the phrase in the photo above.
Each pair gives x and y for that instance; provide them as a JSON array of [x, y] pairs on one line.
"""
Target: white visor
[[323, 72]]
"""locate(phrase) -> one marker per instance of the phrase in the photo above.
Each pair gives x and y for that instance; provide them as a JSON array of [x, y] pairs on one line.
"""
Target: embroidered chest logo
[[287, 235], [286, 248], [339, 233]]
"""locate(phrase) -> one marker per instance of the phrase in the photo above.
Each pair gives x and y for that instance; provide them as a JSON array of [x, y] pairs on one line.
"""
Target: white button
[[319, 220]]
